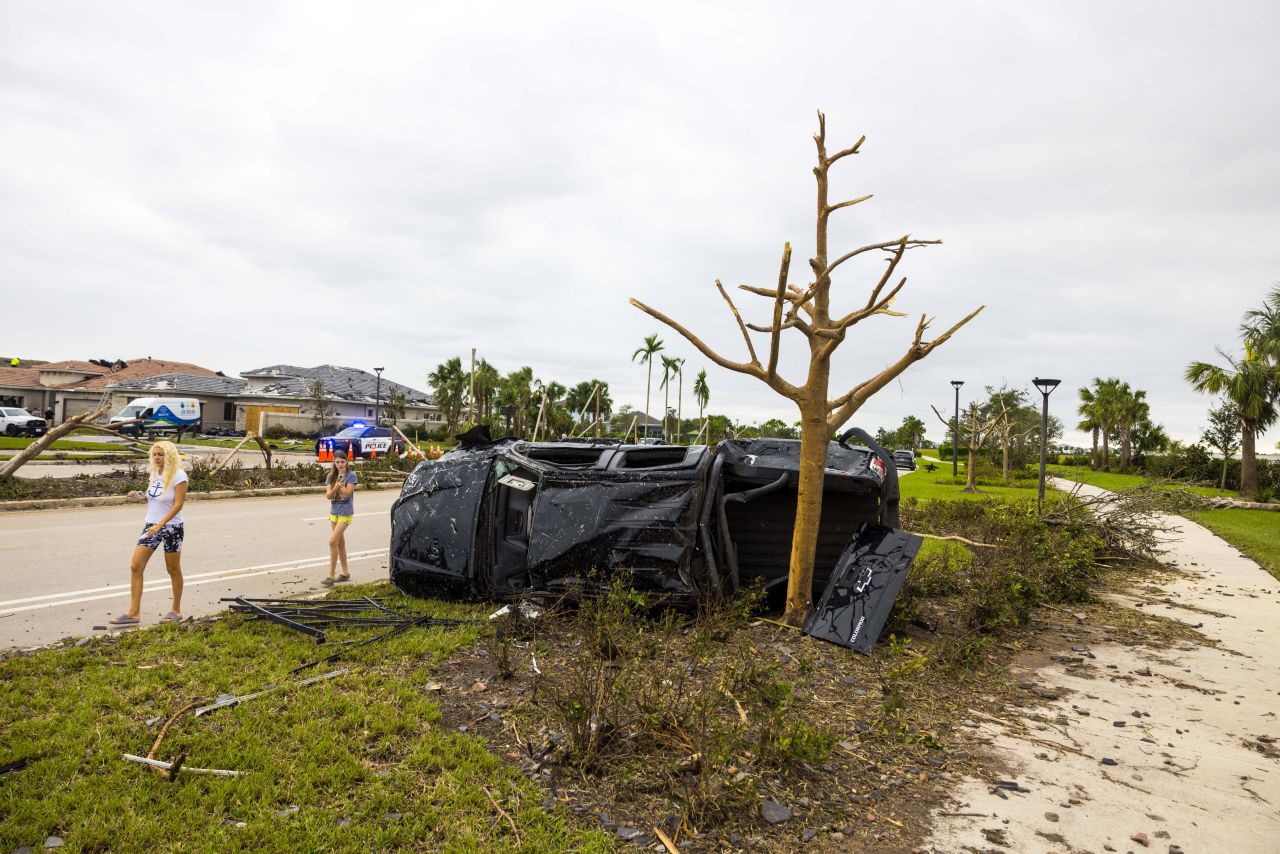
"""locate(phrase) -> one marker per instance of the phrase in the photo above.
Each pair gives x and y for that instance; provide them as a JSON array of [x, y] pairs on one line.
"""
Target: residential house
[[284, 394], [71, 387]]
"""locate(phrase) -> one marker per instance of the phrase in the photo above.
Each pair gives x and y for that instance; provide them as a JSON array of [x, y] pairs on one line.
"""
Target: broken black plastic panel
[[863, 587]]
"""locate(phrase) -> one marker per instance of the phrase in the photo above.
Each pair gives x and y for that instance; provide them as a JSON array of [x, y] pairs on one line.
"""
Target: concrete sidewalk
[[1158, 749]]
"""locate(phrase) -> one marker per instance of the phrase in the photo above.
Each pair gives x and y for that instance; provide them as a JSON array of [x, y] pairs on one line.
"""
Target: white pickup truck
[[20, 422]]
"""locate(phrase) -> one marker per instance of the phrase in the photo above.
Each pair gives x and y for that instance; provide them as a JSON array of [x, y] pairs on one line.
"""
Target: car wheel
[[11, 430]]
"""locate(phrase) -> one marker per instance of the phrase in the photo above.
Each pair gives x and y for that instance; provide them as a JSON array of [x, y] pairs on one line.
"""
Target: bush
[[997, 587], [279, 431]]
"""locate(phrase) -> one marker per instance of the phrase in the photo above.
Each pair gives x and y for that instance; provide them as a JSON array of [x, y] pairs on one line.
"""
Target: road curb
[[109, 500]]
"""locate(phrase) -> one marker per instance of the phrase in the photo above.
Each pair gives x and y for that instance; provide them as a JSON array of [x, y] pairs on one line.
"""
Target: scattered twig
[[503, 813], [666, 841], [166, 766]]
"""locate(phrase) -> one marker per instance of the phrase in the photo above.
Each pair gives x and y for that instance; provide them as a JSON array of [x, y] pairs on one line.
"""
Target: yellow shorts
[[347, 519]]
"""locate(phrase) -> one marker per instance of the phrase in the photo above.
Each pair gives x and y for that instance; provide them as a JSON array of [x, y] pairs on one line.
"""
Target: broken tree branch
[[777, 311], [847, 404], [503, 813], [871, 247], [35, 448], [738, 317], [777, 383]]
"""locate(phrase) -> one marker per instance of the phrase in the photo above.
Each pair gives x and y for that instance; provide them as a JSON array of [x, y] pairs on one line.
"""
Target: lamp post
[[377, 399], [955, 432], [1046, 388]]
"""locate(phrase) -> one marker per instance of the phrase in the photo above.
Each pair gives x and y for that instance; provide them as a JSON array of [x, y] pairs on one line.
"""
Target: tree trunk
[[815, 436], [1248, 463], [648, 384], [680, 410], [1093, 457], [971, 470], [1106, 447], [1006, 455], [1225, 458]]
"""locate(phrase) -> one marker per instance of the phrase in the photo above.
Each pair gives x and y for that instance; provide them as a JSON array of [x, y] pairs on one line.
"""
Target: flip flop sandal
[[123, 620], [171, 617], [346, 577], [326, 582]]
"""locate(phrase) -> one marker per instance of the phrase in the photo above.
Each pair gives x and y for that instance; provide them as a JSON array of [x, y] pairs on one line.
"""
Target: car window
[[381, 432], [351, 433]]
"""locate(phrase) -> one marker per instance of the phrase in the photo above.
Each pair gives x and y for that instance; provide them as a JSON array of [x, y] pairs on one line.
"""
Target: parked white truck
[[20, 422]]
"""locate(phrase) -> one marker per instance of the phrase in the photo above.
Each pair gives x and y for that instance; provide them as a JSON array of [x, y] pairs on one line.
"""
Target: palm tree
[[487, 381], [449, 382], [1261, 327], [1099, 408], [913, 428], [702, 394], [1131, 409], [669, 367], [1089, 422], [1253, 385], [652, 344], [679, 368]]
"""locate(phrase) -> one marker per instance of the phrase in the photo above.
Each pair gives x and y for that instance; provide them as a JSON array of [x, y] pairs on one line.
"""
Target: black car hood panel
[[862, 588]]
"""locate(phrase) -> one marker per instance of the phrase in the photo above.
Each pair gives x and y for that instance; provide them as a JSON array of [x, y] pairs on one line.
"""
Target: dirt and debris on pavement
[[1163, 740]]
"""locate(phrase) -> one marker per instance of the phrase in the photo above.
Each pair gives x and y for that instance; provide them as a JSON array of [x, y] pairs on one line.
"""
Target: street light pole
[[1046, 388], [955, 432], [377, 399]]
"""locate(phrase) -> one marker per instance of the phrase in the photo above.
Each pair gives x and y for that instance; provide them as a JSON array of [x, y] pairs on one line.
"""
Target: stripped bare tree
[[977, 431], [808, 311]]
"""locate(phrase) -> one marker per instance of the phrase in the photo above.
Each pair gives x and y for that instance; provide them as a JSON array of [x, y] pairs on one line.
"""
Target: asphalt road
[[66, 571]]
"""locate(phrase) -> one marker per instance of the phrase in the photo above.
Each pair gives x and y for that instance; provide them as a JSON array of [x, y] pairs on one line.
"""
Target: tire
[[11, 430]]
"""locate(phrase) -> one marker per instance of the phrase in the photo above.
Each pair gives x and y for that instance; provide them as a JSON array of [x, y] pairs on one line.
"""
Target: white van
[[156, 414]]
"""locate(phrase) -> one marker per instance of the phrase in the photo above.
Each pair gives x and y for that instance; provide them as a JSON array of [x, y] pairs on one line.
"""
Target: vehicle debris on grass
[[689, 525]]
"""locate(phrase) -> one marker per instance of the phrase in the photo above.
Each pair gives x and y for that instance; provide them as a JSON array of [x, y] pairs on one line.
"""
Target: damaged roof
[[350, 384], [190, 383]]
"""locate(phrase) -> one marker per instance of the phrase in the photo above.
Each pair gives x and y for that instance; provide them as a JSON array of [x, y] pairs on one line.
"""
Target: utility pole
[[377, 399]]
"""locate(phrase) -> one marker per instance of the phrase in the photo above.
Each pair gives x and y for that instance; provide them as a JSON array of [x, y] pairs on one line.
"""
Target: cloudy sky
[[242, 184]]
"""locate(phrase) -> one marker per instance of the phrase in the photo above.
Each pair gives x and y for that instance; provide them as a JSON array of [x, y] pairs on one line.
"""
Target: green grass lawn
[[939, 485], [362, 756], [1254, 532], [14, 443], [1115, 481]]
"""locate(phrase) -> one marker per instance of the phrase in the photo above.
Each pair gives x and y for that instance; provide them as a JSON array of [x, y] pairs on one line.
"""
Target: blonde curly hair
[[171, 463]]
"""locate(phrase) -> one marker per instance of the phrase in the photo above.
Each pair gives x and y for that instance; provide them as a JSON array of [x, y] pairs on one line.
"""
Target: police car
[[361, 440]]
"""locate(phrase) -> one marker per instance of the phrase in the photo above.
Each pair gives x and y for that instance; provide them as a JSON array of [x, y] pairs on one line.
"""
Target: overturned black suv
[[508, 518]]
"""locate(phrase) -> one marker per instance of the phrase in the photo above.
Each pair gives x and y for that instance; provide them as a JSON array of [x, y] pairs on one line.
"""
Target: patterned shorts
[[170, 536]]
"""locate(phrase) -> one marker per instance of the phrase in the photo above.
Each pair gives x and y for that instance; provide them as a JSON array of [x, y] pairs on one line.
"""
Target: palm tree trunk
[[1106, 447], [1225, 458], [1093, 457], [1006, 455], [666, 407], [680, 409], [648, 384], [1248, 462]]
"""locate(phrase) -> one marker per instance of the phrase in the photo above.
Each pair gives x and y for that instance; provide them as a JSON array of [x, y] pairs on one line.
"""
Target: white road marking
[[326, 518], [188, 580]]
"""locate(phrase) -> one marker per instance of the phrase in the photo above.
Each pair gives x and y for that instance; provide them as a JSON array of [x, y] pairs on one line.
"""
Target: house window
[[228, 411], [369, 413]]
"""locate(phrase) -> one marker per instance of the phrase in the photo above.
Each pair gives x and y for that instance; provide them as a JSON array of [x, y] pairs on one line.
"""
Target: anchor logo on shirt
[[156, 489]]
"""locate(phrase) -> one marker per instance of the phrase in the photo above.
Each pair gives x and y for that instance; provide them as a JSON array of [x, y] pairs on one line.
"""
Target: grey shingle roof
[[189, 383], [342, 383]]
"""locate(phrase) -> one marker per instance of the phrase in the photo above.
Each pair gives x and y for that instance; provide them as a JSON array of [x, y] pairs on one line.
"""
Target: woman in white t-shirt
[[166, 492]]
